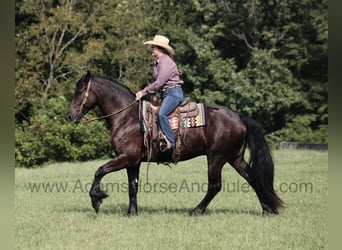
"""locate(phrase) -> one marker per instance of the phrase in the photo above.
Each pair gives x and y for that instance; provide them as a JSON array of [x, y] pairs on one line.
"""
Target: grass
[[61, 217]]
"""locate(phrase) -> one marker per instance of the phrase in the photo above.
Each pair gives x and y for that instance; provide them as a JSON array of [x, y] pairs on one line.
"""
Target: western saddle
[[153, 136]]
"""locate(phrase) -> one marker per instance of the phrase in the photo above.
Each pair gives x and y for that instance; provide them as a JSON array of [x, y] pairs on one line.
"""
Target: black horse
[[224, 140]]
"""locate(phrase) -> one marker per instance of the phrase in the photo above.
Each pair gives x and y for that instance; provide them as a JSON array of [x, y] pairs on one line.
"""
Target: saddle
[[186, 115], [185, 109]]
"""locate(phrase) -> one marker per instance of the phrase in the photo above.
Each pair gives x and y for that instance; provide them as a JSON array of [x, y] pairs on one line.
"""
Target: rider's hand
[[138, 95]]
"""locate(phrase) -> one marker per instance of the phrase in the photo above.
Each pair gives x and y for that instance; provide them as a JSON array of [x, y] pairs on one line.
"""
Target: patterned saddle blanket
[[187, 115]]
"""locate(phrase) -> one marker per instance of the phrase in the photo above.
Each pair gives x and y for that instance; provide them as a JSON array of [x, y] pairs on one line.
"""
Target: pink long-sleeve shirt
[[166, 75]]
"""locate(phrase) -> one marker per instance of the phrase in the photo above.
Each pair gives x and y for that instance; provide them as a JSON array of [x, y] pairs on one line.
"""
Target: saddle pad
[[186, 122], [190, 122]]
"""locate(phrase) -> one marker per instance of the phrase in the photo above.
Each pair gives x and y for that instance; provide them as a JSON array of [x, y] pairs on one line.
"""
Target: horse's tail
[[262, 167]]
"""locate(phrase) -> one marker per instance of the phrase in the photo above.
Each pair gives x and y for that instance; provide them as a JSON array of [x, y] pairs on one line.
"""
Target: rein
[[114, 113], [101, 117]]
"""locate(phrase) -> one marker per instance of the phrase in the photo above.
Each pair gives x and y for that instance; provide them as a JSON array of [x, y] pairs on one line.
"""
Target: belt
[[174, 86]]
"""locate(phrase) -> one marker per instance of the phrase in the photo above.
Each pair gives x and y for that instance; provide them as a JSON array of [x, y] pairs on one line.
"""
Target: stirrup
[[166, 145]]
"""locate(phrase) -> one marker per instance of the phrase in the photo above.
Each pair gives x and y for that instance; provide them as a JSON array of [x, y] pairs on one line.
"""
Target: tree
[[265, 58], [47, 52], [56, 41], [288, 39]]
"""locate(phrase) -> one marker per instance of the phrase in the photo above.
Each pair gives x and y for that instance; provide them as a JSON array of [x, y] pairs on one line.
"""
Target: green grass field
[[53, 210]]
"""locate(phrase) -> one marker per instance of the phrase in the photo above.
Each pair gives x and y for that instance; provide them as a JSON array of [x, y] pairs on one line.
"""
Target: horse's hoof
[[97, 205], [96, 199], [269, 212], [130, 214], [196, 212]]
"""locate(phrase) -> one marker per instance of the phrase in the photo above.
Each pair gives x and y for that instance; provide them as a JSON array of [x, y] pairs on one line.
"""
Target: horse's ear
[[88, 76]]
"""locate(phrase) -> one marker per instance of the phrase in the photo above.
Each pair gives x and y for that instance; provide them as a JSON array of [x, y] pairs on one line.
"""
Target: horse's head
[[84, 99]]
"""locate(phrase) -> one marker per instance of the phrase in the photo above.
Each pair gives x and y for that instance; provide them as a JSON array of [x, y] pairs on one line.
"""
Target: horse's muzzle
[[72, 118]]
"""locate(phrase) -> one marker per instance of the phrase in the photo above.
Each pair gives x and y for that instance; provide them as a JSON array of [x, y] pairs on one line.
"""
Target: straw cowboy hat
[[163, 42]]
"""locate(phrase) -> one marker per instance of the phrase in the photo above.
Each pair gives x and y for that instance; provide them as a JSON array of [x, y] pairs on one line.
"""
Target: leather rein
[[85, 97]]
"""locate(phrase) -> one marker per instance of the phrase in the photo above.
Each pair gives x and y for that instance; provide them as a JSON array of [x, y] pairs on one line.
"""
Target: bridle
[[85, 97]]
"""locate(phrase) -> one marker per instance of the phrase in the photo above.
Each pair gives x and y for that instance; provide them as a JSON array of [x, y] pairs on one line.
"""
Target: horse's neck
[[115, 103], [112, 98], [112, 104]]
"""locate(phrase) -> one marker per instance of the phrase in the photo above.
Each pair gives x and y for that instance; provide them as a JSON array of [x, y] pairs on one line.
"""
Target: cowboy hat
[[163, 42]]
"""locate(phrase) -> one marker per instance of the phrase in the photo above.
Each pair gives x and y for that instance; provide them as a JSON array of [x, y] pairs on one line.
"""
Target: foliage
[[267, 90], [265, 58], [49, 137]]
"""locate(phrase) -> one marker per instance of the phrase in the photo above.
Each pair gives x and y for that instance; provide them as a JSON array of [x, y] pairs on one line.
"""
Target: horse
[[224, 139]]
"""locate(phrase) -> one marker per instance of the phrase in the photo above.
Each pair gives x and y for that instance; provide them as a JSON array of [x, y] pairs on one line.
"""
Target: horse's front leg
[[133, 183], [118, 163], [95, 193]]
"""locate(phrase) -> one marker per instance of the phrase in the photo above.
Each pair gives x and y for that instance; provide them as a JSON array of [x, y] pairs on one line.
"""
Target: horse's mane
[[114, 83]]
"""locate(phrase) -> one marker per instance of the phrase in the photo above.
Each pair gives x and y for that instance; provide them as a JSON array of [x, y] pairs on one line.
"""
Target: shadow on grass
[[121, 209]]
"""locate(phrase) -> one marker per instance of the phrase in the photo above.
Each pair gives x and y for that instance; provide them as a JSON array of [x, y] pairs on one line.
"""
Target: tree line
[[265, 58]]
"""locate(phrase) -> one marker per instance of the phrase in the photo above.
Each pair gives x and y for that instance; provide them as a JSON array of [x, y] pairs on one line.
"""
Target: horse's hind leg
[[215, 165], [242, 167]]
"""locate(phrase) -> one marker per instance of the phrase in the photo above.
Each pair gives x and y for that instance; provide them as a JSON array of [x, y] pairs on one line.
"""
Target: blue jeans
[[171, 98]]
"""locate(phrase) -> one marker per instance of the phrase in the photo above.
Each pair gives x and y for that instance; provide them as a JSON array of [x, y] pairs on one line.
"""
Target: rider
[[167, 78]]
